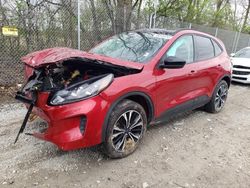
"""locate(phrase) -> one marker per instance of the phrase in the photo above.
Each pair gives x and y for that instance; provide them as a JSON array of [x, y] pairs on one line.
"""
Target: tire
[[126, 127], [219, 98]]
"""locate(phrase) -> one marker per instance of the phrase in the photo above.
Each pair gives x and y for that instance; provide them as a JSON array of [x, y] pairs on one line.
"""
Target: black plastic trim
[[134, 93], [19, 96], [184, 107], [82, 125]]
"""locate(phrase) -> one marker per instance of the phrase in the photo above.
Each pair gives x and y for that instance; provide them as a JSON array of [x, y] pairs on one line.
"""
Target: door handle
[[192, 72]]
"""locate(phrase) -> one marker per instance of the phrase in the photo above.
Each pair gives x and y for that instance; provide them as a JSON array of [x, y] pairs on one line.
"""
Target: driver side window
[[182, 48]]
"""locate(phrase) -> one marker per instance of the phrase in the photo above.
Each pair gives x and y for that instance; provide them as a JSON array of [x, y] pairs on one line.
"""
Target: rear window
[[203, 48], [217, 48]]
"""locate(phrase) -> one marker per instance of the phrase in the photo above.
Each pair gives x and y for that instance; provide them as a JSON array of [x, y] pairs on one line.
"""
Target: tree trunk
[[96, 25], [119, 16], [246, 15], [138, 15]]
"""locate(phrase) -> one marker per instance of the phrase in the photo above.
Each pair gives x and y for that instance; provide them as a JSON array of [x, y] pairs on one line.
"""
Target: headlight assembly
[[82, 90]]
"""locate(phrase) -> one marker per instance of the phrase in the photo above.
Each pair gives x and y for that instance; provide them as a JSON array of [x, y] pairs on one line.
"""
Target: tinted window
[[217, 48], [203, 48], [132, 46], [182, 48]]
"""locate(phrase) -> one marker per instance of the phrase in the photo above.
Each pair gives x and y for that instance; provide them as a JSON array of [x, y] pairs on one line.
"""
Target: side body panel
[[166, 89]]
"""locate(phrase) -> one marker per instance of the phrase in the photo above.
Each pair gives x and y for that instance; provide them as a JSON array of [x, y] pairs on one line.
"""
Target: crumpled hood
[[241, 61], [55, 55]]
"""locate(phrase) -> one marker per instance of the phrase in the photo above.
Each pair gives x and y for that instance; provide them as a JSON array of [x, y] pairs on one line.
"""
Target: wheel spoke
[[119, 129], [117, 138], [224, 94], [126, 119], [129, 117], [136, 125], [135, 136], [217, 103], [119, 144], [116, 134], [220, 97], [138, 117], [217, 98], [129, 134], [222, 102], [128, 126]]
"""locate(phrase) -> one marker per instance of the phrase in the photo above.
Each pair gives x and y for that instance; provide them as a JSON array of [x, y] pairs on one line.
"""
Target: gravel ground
[[196, 149]]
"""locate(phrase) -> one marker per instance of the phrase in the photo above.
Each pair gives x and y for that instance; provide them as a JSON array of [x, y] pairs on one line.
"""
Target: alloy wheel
[[221, 97], [127, 131]]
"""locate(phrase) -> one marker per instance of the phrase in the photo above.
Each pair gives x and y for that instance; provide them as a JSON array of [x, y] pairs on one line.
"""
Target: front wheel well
[[139, 97], [147, 106]]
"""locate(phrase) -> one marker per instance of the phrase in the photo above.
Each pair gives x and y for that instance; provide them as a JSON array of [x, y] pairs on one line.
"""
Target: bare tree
[[120, 13], [246, 15], [96, 24]]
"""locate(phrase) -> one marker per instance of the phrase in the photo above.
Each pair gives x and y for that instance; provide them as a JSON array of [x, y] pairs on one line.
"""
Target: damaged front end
[[65, 81]]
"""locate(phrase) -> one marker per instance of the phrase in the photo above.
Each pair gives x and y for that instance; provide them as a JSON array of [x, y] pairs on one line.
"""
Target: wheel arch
[[137, 96], [227, 78]]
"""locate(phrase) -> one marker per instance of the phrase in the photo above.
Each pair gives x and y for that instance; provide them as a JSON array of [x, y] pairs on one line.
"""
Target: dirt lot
[[194, 150]]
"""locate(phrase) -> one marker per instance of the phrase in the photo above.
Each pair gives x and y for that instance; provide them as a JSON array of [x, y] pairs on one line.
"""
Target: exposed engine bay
[[69, 81], [54, 77]]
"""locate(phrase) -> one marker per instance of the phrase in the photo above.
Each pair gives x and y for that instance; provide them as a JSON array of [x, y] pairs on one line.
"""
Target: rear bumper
[[72, 126]]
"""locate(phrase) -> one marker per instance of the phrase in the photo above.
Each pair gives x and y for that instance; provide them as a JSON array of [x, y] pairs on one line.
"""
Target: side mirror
[[232, 54], [172, 62]]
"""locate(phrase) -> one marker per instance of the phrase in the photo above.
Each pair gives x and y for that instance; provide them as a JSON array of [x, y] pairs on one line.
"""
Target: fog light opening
[[82, 124]]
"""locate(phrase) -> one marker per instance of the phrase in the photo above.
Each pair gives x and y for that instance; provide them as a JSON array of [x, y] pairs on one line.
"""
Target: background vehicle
[[110, 94], [241, 66]]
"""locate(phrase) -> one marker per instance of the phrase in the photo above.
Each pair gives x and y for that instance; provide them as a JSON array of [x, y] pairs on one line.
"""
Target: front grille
[[239, 78], [241, 67], [241, 72]]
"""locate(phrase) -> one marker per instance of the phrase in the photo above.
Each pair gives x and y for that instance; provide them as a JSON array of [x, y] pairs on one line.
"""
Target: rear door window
[[203, 48]]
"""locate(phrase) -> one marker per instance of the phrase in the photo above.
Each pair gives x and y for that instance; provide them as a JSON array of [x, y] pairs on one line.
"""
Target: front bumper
[[72, 126], [241, 75]]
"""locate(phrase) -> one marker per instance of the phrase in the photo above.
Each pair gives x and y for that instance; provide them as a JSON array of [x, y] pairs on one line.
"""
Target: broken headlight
[[82, 90]]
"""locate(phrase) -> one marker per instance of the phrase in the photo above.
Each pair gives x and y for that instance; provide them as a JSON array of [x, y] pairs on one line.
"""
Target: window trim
[[194, 51], [213, 41], [186, 34]]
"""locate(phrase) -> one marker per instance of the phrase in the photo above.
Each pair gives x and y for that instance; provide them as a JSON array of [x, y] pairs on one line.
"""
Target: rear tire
[[218, 99], [126, 127]]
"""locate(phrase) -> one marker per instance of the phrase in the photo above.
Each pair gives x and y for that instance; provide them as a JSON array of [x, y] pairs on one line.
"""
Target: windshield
[[244, 53], [132, 46]]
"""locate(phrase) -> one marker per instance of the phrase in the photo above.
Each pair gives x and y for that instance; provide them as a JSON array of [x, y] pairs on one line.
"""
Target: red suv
[[110, 94]]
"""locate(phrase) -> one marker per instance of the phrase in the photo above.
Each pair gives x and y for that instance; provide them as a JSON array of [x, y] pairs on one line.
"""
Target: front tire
[[219, 98], [126, 127]]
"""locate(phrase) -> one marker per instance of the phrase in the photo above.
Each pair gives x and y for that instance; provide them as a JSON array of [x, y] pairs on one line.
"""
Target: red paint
[[166, 88], [54, 55]]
